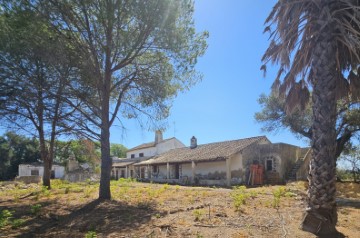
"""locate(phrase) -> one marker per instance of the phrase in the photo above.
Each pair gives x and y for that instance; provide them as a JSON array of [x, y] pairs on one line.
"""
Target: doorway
[[177, 171]]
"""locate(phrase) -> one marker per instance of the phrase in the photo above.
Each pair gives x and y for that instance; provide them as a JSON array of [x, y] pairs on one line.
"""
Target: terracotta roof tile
[[123, 164], [205, 152]]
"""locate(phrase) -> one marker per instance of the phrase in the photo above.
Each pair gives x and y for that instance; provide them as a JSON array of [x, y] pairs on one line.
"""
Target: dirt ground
[[161, 210]]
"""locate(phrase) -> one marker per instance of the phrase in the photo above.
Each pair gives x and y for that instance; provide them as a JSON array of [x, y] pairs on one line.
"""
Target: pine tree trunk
[[104, 190], [44, 156], [47, 173], [47, 163], [321, 215]]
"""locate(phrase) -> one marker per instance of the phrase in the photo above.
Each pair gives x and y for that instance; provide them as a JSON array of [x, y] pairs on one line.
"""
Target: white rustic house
[[124, 168], [246, 161], [37, 169]]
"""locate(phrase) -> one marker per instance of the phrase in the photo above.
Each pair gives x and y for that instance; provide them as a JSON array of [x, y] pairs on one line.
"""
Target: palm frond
[[294, 35]]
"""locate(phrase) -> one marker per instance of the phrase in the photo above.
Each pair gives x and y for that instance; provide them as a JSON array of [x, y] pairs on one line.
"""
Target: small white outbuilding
[[37, 169]]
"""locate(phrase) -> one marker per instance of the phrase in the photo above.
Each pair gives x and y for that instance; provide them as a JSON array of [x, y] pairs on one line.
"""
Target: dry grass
[[161, 210]]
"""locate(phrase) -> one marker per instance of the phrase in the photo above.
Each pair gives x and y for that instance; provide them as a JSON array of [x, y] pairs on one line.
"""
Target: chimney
[[193, 142], [158, 136]]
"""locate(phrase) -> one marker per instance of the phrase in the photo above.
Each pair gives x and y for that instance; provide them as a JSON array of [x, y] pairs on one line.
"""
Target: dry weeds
[[161, 210]]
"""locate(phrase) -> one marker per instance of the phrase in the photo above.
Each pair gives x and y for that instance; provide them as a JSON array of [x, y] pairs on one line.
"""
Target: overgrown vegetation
[[91, 234], [6, 219], [35, 209], [154, 205], [239, 196], [5, 216]]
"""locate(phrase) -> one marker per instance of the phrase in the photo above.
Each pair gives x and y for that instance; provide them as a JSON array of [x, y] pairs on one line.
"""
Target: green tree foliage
[[15, 150], [274, 118], [118, 150], [351, 162], [35, 68], [83, 150], [136, 56]]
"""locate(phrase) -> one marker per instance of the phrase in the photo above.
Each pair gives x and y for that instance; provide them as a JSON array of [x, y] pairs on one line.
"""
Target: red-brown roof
[[205, 152]]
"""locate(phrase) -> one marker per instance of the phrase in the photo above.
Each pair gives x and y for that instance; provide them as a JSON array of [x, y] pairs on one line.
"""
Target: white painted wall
[[201, 168], [25, 170], [210, 167], [236, 162], [187, 170], [150, 151], [59, 171], [167, 145], [162, 171], [159, 148]]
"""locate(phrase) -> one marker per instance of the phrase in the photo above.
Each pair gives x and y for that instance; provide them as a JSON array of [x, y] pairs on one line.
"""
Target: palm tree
[[316, 45]]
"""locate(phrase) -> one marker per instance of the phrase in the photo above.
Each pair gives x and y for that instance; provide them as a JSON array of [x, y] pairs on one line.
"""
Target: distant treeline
[[18, 149]]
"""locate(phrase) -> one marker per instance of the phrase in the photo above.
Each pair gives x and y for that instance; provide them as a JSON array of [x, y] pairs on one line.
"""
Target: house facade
[[124, 168], [37, 169], [250, 161]]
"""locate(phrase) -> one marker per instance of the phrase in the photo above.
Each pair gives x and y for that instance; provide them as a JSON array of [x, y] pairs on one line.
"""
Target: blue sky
[[222, 106]]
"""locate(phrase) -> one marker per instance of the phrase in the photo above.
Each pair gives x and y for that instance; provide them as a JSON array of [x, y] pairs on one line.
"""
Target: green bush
[[91, 234], [278, 193], [5, 217], [35, 209], [239, 196], [17, 223]]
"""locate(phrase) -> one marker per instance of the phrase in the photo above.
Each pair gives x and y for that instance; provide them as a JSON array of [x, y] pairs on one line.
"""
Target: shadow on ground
[[103, 217], [344, 202]]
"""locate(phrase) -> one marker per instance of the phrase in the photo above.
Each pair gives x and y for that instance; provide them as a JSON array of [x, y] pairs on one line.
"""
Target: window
[[269, 165], [155, 169], [34, 172], [141, 155], [132, 156]]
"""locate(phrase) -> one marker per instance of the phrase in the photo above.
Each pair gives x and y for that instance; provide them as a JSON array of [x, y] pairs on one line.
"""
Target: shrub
[[198, 214], [17, 223], [5, 217], [35, 209], [91, 234], [278, 193], [239, 197], [45, 191]]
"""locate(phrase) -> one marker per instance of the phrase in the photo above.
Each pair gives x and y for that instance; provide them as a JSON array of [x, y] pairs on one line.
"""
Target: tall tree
[[83, 150], [118, 150], [316, 44], [34, 72], [15, 150], [351, 161], [273, 117], [137, 56]]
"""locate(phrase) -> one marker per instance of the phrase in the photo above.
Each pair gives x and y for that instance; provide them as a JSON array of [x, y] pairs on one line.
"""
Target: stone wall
[[283, 157], [81, 176], [28, 179], [303, 171]]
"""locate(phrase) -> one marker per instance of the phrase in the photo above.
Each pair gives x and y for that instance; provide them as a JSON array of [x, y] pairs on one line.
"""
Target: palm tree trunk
[[321, 215]]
